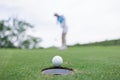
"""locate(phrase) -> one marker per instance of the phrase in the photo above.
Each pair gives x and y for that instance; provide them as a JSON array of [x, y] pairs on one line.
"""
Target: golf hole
[[57, 71]]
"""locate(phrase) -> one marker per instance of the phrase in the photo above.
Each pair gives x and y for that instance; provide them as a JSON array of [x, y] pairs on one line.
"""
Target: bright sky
[[87, 20]]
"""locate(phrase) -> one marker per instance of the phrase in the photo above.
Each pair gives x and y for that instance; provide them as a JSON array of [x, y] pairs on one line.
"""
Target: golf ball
[[57, 60]]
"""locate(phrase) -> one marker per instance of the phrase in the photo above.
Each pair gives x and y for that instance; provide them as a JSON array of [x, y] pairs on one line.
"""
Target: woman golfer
[[61, 21]]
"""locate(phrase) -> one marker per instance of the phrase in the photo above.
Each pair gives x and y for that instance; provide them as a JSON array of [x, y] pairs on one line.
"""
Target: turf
[[89, 63]]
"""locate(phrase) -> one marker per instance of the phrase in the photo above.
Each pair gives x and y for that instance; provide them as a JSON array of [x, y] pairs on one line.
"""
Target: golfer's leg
[[63, 39]]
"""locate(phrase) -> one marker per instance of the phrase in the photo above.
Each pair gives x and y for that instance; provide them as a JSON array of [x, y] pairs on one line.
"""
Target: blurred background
[[87, 20]]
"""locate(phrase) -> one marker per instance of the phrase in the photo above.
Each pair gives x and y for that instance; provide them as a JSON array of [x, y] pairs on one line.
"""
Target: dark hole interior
[[57, 71]]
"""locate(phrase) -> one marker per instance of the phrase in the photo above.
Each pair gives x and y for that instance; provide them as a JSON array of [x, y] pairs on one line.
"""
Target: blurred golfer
[[61, 21]]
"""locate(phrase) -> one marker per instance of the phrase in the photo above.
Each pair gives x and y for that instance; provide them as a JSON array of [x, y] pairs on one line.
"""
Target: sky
[[87, 20]]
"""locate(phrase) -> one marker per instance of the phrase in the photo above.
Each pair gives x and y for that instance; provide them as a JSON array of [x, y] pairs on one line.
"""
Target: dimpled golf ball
[[57, 61]]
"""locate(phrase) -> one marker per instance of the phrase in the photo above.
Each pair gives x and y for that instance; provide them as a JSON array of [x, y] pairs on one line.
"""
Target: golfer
[[61, 21]]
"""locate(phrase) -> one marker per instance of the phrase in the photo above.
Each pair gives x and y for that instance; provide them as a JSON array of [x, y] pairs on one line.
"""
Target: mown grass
[[89, 63]]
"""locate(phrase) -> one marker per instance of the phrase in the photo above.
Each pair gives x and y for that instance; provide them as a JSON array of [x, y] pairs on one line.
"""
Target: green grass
[[89, 63]]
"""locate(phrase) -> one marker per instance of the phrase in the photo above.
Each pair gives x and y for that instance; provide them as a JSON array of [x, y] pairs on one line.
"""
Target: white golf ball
[[57, 60]]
